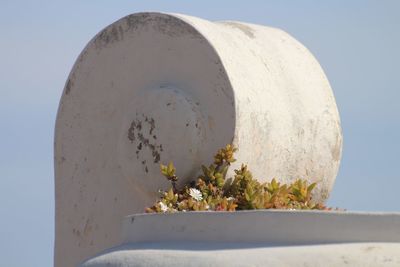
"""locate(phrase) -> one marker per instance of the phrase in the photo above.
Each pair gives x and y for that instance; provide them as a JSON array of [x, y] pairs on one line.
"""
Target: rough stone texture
[[256, 238], [156, 87]]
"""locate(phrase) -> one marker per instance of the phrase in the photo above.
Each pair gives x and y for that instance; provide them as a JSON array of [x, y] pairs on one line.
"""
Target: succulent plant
[[212, 191]]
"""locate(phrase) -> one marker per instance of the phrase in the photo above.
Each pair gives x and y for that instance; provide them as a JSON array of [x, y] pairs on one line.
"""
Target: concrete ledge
[[271, 226], [256, 238], [202, 254]]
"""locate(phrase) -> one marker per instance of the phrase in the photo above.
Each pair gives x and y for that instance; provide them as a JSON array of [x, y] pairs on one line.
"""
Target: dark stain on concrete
[[156, 156], [131, 132], [76, 232], [370, 248], [336, 150], [242, 27], [162, 23], [166, 24], [109, 35], [139, 125], [137, 133], [68, 86], [152, 125]]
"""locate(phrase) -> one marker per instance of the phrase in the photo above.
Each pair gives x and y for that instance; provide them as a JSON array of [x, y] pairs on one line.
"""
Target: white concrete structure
[[222, 255], [154, 87], [256, 238]]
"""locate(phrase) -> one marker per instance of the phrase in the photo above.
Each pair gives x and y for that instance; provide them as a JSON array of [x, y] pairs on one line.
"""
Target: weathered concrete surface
[[275, 227], [156, 87], [256, 238], [212, 255]]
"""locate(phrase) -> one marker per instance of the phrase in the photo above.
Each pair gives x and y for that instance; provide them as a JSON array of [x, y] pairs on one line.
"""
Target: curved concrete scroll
[[154, 87]]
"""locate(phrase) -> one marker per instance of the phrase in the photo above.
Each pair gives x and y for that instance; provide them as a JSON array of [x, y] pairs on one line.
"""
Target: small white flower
[[196, 194], [207, 207], [230, 198], [164, 208]]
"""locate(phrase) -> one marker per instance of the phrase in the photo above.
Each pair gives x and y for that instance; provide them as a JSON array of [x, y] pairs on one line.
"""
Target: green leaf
[[220, 182], [164, 170], [205, 170], [246, 196], [171, 169], [311, 187]]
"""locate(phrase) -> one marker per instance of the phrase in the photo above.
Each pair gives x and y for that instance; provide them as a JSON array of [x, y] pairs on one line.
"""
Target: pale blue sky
[[356, 42]]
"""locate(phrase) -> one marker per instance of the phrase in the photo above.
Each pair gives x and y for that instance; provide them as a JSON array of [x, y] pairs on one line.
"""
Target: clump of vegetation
[[213, 191]]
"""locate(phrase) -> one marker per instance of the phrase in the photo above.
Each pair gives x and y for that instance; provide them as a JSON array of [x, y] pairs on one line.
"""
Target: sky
[[356, 42]]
